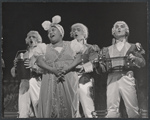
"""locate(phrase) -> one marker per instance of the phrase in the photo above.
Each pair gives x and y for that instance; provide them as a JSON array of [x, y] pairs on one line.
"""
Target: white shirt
[[120, 44], [58, 49]]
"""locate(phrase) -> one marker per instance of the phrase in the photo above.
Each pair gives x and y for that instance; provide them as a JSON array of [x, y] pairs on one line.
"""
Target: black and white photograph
[[74, 59]]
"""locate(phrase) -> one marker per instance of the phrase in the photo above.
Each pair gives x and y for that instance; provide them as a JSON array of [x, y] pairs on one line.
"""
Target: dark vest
[[88, 55], [109, 52]]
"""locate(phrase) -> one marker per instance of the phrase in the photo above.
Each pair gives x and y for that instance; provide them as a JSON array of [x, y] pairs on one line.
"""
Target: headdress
[[55, 20]]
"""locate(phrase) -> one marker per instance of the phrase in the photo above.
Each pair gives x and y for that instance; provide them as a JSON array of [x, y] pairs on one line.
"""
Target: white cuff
[[88, 67]]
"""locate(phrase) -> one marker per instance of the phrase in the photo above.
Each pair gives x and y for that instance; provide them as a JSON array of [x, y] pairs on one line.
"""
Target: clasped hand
[[60, 72]]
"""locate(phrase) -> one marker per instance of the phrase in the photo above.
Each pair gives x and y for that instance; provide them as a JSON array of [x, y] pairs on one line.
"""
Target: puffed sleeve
[[38, 51], [77, 47]]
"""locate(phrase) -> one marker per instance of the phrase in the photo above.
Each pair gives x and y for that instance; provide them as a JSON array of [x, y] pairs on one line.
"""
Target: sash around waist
[[61, 63]]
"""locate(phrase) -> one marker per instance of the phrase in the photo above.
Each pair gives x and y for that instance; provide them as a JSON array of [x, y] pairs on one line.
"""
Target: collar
[[84, 41], [31, 48], [121, 41]]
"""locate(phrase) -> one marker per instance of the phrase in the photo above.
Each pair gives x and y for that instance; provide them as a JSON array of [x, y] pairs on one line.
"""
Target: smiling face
[[54, 34]]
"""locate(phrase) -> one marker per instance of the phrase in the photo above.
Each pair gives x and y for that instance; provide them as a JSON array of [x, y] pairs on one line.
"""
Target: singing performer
[[80, 34], [29, 88], [121, 82], [58, 94]]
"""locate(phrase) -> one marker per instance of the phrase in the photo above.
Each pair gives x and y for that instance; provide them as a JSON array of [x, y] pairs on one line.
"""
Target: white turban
[[55, 20]]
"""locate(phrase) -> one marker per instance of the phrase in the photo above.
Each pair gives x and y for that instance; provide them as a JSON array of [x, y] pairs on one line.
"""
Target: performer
[[120, 59], [58, 94], [29, 88], [80, 34]]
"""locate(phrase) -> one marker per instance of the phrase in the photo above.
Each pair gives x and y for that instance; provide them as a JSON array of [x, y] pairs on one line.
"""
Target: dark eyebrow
[[32, 36]]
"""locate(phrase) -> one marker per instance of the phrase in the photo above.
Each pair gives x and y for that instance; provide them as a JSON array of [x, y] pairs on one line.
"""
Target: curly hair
[[33, 33], [83, 27], [126, 27]]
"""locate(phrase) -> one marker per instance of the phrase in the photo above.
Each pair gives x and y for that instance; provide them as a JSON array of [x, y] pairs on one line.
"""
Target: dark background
[[19, 18]]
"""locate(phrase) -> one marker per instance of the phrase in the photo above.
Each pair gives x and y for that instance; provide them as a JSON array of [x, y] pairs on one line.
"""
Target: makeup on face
[[32, 41], [78, 32], [54, 34], [120, 29]]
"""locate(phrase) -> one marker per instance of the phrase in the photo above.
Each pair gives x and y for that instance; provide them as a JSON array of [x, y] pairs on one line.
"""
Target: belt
[[119, 69]]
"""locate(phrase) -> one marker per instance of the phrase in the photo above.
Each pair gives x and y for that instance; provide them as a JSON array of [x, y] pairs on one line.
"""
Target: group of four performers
[[66, 68]]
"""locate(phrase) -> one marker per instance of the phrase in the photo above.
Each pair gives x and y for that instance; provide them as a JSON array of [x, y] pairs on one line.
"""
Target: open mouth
[[75, 35], [119, 31], [31, 41], [52, 36]]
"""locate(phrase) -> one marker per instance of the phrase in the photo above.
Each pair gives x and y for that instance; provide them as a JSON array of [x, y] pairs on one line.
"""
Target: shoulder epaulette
[[95, 48]]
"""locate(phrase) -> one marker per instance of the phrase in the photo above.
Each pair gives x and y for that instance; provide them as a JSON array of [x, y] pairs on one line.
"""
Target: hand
[[57, 72], [65, 70], [96, 63], [15, 62], [132, 57], [80, 68], [27, 63]]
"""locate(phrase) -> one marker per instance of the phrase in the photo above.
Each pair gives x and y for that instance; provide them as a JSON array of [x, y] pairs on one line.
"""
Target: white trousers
[[85, 99], [31, 95], [124, 87]]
